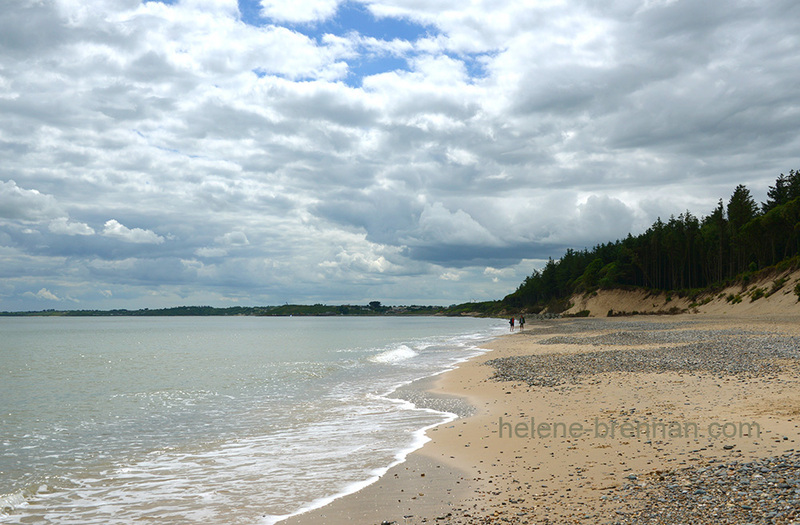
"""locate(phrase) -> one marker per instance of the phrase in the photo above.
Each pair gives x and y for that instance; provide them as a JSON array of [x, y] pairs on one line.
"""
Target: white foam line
[[420, 438], [476, 352]]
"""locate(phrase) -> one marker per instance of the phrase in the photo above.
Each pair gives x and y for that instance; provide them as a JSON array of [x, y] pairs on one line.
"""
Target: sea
[[213, 420]]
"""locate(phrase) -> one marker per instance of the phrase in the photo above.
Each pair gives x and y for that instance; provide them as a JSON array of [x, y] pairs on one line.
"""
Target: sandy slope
[[781, 301]]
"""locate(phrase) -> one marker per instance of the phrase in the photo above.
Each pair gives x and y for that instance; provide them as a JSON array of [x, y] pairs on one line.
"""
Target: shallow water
[[209, 419]]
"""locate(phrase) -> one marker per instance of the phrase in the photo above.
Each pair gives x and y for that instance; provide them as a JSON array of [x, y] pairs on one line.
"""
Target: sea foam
[[395, 355]]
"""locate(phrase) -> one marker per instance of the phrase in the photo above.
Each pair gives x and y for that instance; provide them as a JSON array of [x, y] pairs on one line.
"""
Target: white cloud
[[45, 294], [496, 274], [64, 226], [303, 11], [461, 156], [223, 7], [134, 235], [236, 238], [355, 264]]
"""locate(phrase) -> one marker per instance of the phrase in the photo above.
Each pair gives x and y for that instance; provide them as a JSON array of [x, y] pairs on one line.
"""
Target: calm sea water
[[216, 420]]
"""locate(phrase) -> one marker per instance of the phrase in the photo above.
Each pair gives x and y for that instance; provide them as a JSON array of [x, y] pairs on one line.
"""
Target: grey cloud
[[217, 119], [463, 256], [434, 103], [722, 88], [433, 234], [26, 204], [54, 244], [687, 24], [149, 271], [442, 226], [603, 217], [561, 91], [14, 148], [30, 110], [327, 105], [588, 122], [30, 28], [151, 67], [383, 214]]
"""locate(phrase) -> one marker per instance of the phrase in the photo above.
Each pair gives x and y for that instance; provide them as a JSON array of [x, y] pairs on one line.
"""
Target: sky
[[215, 152]]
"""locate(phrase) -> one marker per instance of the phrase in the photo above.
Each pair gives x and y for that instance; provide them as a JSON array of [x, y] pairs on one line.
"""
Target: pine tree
[[742, 208], [778, 194], [793, 184]]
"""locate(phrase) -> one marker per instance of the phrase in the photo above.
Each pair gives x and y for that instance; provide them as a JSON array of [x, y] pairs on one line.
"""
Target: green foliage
[[797, 290], [609, 275], [592, 273], [788, 265], [741, 208], [558, 305], [777, 284], [486, 308], [705, 301], [734, 299], [786, 189], [757, 294], [684, 253], [582, 313]]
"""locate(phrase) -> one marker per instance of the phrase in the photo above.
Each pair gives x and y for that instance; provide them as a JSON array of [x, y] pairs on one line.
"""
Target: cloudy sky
[[161, 153]]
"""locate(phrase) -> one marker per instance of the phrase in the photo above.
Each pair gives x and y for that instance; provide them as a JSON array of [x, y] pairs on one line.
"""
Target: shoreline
[[490, 467], [420, 483], [422, 393]]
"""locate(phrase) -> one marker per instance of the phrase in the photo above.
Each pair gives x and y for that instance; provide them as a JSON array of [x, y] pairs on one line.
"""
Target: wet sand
[[595, 439]]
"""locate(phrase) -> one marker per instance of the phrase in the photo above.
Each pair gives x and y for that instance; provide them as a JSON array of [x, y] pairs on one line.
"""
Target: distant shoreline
[[256, 311]]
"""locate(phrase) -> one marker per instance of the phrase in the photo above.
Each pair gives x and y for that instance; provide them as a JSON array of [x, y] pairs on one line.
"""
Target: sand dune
[[754, 298]]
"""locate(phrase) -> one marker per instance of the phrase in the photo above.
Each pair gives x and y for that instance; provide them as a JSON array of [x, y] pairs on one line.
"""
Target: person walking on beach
[[511, 324], [521, 323]]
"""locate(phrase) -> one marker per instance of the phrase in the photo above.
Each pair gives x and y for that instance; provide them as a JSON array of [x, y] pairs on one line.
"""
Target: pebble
[[717, 352], [762, 491], [753, 491]]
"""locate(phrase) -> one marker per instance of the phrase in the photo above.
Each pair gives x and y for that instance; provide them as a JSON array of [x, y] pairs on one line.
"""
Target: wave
[[395, 355], [12, 501]]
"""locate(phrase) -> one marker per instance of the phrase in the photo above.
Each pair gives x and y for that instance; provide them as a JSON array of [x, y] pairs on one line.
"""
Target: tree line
[[686, 252]]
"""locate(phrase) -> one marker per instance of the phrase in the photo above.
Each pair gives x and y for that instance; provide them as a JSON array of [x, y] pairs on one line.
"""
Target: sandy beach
[[646, 419]]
